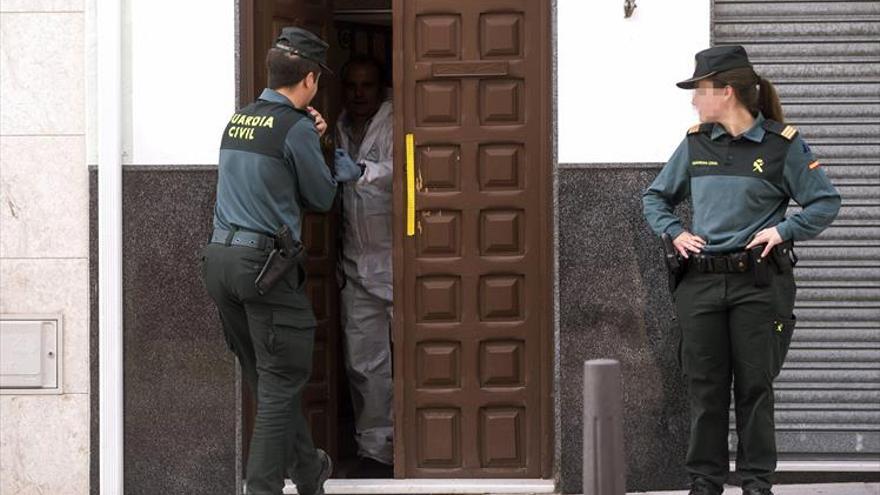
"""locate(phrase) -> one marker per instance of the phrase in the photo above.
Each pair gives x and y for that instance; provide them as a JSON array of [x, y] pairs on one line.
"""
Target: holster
[[674, 262], [784, 257], [286, 255]]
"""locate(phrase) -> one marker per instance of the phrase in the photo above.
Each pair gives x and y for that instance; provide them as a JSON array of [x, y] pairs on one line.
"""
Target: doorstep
[[435, 486]]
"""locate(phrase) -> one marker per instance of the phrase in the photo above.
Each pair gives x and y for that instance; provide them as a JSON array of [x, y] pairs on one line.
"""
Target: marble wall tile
[[44, 197], [42, 83], [91, 81], [41, 5], [44, 444], [53, 286]]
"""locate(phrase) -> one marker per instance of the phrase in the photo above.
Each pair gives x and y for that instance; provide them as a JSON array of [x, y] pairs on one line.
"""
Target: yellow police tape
[[410, 187]]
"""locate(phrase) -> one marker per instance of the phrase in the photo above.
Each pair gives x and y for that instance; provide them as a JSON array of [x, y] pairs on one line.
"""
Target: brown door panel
[[472, 287]]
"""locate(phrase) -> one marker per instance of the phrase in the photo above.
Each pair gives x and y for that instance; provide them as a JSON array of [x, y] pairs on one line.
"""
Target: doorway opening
[[363, 42], [353, 29], [473, 324]]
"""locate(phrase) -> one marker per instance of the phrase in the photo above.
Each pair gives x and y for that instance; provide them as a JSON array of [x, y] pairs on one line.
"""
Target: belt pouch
[[760, 266], [739, 262]]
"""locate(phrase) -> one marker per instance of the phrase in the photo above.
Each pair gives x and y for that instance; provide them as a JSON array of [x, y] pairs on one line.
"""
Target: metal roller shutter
[[824, 57]]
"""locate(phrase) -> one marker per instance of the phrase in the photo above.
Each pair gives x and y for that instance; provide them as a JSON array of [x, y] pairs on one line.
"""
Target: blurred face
[[362, 91], [711, 102]]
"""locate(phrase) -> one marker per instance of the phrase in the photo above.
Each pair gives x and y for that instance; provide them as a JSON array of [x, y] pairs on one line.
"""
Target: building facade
[[536, 125]]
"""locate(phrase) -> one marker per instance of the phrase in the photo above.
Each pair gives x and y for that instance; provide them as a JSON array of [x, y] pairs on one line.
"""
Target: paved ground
[[832, 489]]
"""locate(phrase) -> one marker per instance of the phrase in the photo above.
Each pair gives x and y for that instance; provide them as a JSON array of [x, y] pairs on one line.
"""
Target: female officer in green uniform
[[739, 168]]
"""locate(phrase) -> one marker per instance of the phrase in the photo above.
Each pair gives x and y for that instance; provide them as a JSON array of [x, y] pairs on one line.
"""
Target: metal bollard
[[604, 468]]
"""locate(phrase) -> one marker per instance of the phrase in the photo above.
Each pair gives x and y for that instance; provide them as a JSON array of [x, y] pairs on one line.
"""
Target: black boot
[[701, 487], [315, 487], [757, 491]]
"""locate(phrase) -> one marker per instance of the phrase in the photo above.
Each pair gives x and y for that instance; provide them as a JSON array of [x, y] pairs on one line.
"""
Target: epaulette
[[786, 131], [700, 128]]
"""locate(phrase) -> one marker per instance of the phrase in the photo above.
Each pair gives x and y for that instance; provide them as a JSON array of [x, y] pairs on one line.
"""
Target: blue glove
[[345, 169]]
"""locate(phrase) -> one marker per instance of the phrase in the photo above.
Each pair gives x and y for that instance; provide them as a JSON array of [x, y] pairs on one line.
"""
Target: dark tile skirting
[[180, 402], [614, 303], [180, 397]]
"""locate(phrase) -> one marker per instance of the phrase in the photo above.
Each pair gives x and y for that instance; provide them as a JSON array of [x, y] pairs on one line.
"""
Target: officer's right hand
[[345, 169], [320, 123], [688, 242]]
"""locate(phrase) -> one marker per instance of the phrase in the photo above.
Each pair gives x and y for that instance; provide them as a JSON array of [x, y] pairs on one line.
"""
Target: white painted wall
[[179, 87], [183, 79], [616, 78], [617, 98]]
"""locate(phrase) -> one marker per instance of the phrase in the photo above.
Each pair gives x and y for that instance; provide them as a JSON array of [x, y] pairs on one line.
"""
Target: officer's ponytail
[[753, 91], [768, 101]]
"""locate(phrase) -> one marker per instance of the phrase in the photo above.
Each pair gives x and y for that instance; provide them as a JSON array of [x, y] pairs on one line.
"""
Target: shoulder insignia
[[697, 128], [786, 131]]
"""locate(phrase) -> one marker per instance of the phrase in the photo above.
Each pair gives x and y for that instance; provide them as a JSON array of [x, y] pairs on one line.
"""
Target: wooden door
[[473, 296], [262, 21]]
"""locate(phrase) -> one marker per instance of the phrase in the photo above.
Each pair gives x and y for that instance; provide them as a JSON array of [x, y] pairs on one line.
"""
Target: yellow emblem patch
[[758, 166], [246, 125]]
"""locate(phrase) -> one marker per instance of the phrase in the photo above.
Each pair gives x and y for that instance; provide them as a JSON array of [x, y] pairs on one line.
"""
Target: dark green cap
[[714, 60], [305, 44]]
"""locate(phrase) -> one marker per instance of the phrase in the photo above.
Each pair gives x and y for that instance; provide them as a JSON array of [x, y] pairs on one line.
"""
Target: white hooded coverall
[[367, 293]]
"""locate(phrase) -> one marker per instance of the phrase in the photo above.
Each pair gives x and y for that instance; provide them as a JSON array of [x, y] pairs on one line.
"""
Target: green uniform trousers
[[273, 337], [732, 331]]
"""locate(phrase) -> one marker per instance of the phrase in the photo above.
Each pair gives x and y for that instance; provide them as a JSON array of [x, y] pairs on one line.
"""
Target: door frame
[[244, 57], [245, 65]]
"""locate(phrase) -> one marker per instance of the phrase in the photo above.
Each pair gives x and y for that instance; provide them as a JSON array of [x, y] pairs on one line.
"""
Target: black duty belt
[[736, 262], [243, 238]]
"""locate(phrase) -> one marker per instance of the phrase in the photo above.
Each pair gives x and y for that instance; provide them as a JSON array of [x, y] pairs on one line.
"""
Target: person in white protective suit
[[364, 130]]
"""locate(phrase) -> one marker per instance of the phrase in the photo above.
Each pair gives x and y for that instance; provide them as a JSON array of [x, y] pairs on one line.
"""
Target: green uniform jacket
[[271, 168], [740, 185]]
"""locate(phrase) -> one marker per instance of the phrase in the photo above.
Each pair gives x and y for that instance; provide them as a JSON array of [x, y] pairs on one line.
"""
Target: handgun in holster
[[674, 262], [784, 256], [286, 255]]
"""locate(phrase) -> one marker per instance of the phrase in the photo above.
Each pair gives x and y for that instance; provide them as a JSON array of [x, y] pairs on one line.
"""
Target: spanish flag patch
[[814, 165]]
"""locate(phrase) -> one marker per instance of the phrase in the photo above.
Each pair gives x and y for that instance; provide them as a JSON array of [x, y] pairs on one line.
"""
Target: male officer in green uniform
[[271, 169], [740, 169]]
